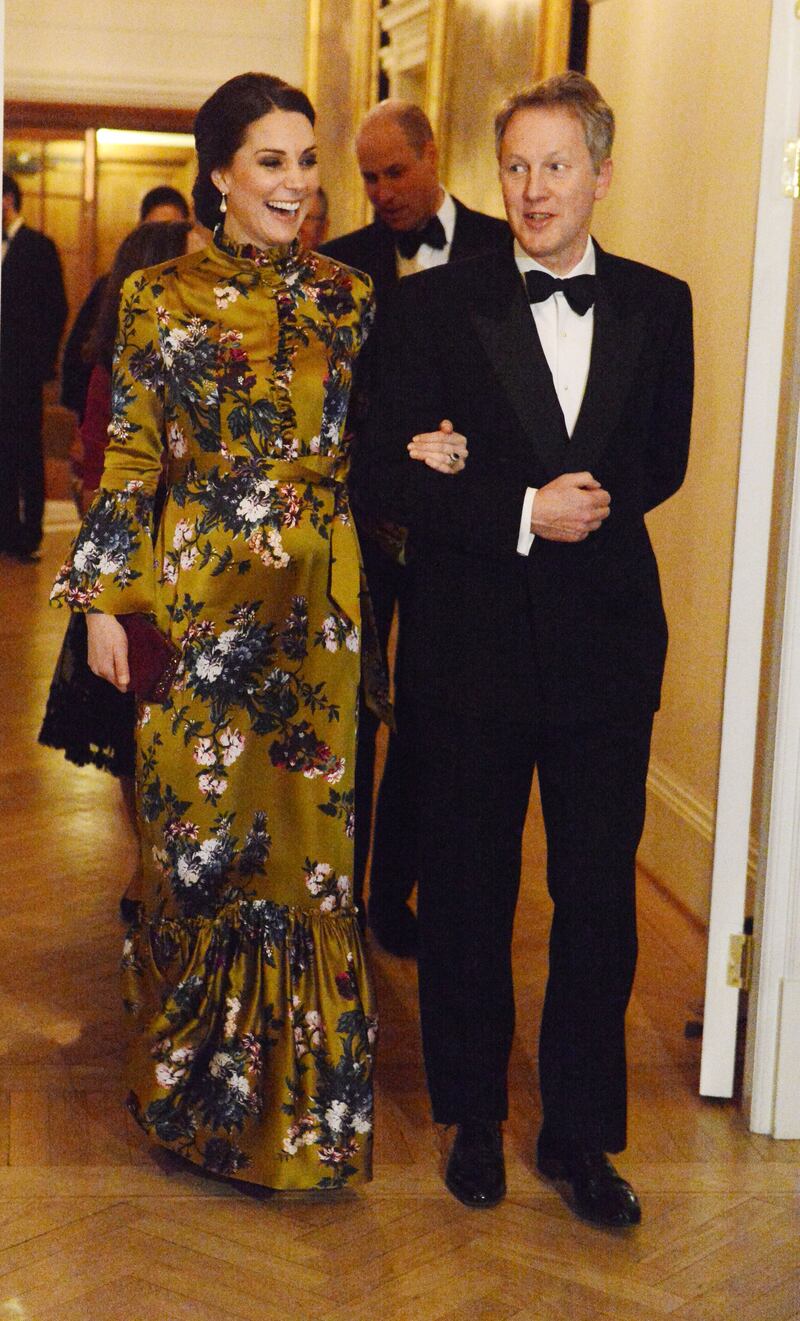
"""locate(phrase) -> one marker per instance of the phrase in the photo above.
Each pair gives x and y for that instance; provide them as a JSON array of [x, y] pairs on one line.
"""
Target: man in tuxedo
[[417, 225], [32, 315], [535, 632]]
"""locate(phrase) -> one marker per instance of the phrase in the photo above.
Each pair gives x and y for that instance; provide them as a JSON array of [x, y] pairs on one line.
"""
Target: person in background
[[85, 717], [162, 203], [536, 635], [314, 229], [417, 225], [33, 310]]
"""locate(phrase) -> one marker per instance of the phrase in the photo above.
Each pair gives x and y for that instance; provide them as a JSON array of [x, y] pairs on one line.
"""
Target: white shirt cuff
[[526, 537]]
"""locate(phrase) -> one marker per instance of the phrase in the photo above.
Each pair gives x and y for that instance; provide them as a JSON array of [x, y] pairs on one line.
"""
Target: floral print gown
[[244, 975]]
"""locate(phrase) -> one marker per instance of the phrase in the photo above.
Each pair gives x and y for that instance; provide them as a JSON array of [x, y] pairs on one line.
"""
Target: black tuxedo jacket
[[372, 248], [33, 309], [577, 629]]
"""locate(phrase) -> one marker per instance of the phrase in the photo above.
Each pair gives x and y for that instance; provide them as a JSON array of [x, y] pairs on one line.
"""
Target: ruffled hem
[[254, 1055]]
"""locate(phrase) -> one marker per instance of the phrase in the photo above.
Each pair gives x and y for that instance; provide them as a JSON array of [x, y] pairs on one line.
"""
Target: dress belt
[[323, 471]]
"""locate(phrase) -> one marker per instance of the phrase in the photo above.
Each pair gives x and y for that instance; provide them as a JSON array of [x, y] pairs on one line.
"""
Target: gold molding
[[363, 82], [552, 48], [313, 25], [364, 73], [438, 14]]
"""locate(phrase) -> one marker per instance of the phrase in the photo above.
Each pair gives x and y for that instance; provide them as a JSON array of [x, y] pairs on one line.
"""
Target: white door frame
[[748, 585]]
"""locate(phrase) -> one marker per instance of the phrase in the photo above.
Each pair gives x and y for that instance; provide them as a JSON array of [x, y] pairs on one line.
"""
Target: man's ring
[[453, 459]]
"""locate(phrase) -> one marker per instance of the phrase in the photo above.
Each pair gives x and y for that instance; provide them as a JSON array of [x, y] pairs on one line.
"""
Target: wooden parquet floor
[[95, 1225]]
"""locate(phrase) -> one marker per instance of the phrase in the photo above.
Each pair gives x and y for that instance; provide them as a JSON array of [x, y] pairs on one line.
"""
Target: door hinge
[[790, 175], [740, 962]]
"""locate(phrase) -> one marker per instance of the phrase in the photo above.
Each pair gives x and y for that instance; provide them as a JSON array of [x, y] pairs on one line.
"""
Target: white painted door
[[751, 546]]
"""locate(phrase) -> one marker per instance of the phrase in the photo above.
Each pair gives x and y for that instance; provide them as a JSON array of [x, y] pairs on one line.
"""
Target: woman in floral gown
[[244, 973]]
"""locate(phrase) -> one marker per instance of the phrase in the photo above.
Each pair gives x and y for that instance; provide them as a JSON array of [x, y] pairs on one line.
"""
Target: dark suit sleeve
[[476, 511], [47, 294], [672, 406]]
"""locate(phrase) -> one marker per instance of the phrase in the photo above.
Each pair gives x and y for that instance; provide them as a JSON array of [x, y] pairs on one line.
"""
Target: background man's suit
[[552, 659], [372, 249], [33, 309]]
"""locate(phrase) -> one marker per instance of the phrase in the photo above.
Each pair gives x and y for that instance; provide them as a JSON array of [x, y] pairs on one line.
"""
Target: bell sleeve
[[111, 566]]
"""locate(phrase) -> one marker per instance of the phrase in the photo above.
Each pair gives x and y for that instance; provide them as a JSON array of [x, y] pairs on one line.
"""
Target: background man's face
[[314, 228], [550, 185], [163, 212], [402, 186]]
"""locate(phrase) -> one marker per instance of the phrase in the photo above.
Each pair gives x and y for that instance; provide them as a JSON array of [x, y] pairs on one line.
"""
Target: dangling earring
[[223, 206]]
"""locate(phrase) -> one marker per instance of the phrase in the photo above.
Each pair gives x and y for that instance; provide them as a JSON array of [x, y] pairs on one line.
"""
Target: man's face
[[314, 228], [164, 211], [402, 186], [550, 185]]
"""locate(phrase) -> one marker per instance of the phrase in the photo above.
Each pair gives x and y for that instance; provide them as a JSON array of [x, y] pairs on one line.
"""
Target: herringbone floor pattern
[[96, 1226]]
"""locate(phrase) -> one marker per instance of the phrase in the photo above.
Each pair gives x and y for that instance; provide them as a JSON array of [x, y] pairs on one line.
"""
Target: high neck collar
[[282, 258]]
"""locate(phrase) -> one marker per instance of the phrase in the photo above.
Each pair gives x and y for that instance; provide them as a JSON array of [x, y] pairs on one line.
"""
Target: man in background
[[314, 229], [417, 225], [33, 310]]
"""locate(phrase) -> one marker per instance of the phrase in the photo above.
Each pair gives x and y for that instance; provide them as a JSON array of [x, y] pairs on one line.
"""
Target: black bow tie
[[409, 241], [578, 291]]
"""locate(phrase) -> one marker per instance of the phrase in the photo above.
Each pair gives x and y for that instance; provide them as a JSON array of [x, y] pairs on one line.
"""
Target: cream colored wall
[[152, 53], [687, 85]]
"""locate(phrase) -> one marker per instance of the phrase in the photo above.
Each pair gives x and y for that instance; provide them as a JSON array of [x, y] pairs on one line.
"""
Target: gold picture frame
[[479, 52], [342, 82]]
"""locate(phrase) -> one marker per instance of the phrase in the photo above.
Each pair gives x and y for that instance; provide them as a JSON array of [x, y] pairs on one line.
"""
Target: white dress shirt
[[11, 231], [566, 341], [425, 257]]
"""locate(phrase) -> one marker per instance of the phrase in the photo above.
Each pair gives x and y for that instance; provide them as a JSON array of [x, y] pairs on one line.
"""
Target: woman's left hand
[[444, 450]]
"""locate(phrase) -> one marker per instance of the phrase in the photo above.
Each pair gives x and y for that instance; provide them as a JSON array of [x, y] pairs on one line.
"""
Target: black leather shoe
[[598, 1193], [476, 1172], [394, 926]]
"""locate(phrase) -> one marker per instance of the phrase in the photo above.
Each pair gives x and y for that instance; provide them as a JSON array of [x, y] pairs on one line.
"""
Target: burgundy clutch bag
[[152, 658]]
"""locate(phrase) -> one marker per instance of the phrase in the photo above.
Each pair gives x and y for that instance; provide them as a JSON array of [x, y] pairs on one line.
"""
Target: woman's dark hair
[[222, 122], [163, 195], [147, 245], [11, 189]]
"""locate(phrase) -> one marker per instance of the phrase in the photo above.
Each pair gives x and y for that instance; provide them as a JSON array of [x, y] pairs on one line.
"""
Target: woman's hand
[[108, 650], [444, 450]]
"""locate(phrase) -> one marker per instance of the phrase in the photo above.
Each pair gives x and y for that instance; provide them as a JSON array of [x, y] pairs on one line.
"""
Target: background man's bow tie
[[409, 241], [579, 291]]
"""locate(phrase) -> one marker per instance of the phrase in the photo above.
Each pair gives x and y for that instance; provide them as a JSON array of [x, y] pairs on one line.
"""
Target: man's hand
[[569, 508], [108, 650], [443, 450]]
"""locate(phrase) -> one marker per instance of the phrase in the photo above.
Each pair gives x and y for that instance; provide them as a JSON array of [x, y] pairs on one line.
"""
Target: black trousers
[[21, 472], [474, 787], [393, 872]]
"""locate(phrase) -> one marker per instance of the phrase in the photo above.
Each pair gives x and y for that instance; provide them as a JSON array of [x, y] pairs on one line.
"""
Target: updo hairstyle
[[222, 123]]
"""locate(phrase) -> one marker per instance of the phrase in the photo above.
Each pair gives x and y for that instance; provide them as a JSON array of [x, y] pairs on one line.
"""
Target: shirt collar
[[14, 228], [447, 215], [586, 266]]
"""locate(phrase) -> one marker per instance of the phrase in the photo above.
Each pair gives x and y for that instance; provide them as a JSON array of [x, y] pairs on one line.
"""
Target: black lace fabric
[[87, 718]]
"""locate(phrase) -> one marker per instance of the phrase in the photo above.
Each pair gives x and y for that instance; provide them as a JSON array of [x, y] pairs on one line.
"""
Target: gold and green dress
[[245, 974]]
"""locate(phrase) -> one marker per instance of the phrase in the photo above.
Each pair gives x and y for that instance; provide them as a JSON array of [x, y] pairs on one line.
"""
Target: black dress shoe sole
[[553, 1168]]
